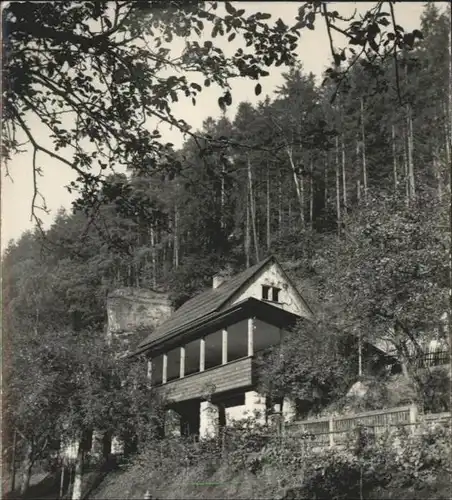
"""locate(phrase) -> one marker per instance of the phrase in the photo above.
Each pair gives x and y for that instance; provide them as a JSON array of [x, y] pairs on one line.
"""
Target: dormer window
[[270, 293]]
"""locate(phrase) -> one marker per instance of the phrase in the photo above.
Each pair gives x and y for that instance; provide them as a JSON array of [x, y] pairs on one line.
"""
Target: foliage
[[391, 274], [365, 467], [274, 179], [313, 366], [107, 65], [99, 74], [378, 466]]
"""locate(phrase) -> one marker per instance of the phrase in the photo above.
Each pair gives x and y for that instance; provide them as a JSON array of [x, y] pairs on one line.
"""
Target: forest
[[348, 184]]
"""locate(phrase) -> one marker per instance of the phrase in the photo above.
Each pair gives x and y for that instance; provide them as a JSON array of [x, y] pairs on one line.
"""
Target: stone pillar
[[255, 406], [97, 447], [209, 420], [413, 418], [116, 446], [289, 410]]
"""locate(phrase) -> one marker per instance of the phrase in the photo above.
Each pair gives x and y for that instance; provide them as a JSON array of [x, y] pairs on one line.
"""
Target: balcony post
[[149, 371], [165, 369], [202, 354], [250, 336], [224, 351], [182, 362]]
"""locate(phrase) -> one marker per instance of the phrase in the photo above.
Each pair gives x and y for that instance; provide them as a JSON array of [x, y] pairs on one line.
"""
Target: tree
[[389, 276], [102, 65], [313, 366], [96, 75]]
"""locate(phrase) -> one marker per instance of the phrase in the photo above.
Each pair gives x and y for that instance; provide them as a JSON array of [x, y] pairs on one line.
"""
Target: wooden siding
[[234, 375]]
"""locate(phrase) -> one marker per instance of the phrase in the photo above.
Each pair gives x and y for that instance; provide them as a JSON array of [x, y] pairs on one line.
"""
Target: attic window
[[274, 293]]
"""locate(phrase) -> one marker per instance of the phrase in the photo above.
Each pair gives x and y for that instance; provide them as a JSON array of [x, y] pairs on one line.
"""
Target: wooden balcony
[[234, 375]]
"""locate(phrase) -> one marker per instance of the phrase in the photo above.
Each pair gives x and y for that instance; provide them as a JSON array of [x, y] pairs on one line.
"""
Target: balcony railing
[[433, 359], [233, 375]]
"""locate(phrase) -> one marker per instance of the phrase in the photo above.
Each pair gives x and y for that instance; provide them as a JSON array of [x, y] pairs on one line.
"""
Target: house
[[201, 358]]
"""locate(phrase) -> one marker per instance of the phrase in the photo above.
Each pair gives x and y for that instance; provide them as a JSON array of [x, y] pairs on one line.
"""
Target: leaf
[[229, 8], [231, 37], [227, 98], [196, 87], [207, 83], [258, 89], [310, 18], [300, 24]]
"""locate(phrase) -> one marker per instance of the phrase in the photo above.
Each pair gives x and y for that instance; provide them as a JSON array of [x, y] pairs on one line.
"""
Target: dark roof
[[203, 304], [246, 308]]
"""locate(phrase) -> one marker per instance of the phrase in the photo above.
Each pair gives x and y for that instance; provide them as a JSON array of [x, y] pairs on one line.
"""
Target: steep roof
[[204, 304]]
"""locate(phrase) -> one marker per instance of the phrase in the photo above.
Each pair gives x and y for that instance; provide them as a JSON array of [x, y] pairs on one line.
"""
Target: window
[[274, 293]]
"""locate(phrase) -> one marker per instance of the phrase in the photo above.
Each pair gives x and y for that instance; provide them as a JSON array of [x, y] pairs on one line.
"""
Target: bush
[[374, 465]]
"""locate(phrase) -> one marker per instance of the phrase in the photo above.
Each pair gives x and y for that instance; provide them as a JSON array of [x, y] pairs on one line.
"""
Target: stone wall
[[134, 310]]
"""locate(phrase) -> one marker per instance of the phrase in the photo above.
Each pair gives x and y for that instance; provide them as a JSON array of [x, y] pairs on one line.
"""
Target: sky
[[314, 54]]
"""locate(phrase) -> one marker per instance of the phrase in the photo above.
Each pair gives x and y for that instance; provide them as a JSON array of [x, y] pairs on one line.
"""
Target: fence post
[[413, 417], [331, 431]]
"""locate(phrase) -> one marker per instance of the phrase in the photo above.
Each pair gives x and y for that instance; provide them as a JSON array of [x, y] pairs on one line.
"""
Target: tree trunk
[[106, 446], [71, 476], [298, 184], [449, 121], [406, 168], [176, 237], [411, 183], [279, 203], [247, 230], [154, 264], [311, 193], [27, 469], [77, 489], [438, 174], [360, 356], [268, 210], [394, 158], [289, 216], [338, 189], [344, 181], [223, 197], [358, 182], [84, 445], [63, 470], [253, 210], [363, 150], [13, 462], [326, 182]]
